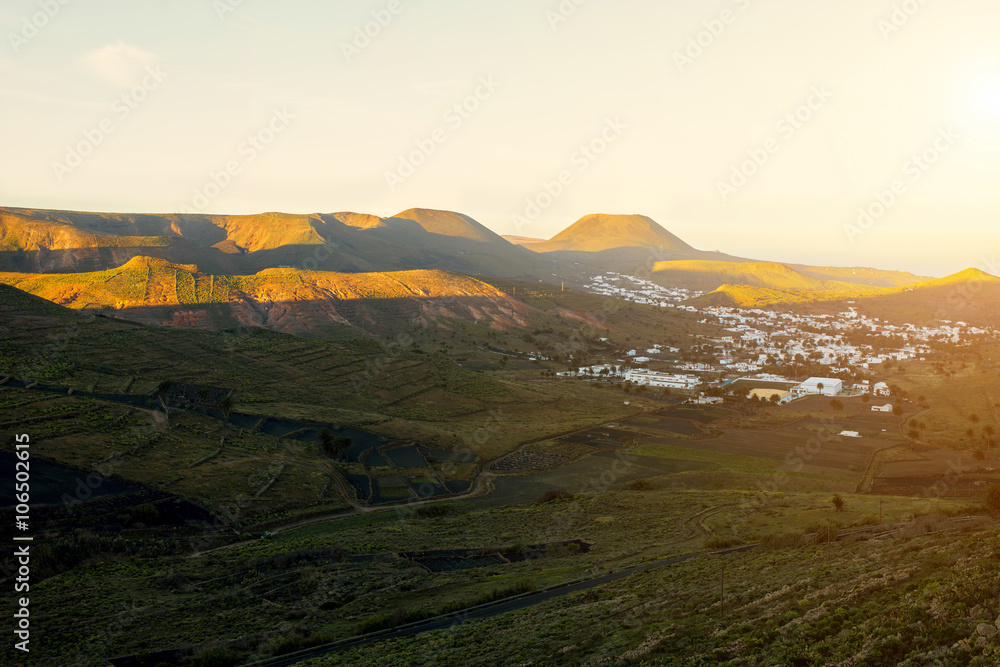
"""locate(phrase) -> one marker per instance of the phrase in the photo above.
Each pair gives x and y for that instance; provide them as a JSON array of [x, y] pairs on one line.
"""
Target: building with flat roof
[[819, 386]]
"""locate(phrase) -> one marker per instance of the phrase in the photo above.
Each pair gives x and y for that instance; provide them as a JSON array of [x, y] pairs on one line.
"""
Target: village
[[848, 347]]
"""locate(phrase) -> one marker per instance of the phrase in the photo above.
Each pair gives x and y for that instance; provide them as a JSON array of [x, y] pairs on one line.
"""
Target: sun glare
[[986, 98]]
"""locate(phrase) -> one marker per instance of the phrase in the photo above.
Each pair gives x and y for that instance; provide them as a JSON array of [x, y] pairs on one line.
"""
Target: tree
[[226, 405], [974, 419], [203, 395], [993, 499], [838, 502], [162, 394], [897, 410], [836, 405], [865, 398], [333, 446]]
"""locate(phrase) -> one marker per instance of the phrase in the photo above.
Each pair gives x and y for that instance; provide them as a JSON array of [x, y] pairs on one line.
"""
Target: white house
[[824, 386], [880, 389], [882, 408]]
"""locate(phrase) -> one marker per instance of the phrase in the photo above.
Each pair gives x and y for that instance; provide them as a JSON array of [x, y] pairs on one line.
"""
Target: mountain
[[599, 232], [863, 276], [68, 241], [971, 296], [448, 223], [522, 240], [707, 275], [305, 303]]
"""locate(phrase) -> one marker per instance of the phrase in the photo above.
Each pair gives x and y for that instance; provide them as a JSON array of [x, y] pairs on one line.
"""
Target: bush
[[214, 656], [719, 542], [993, 500], [639, 485], [554, 495], [782, 540], [436, 510]]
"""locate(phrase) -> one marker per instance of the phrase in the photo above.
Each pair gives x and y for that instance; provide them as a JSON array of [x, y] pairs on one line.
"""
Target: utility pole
[[880, 511]]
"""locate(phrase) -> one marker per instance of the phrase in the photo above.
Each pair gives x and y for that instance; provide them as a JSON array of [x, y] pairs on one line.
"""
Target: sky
[[855, 133]]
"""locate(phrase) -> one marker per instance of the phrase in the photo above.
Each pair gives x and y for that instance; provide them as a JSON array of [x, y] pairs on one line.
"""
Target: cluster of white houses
[[638, 290], [639, 376], [760, 336]]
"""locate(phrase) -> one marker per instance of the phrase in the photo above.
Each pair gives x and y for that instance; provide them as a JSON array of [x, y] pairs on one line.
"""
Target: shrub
[[214, 656], [719, 542], [436, 510], [838, 502], [993, 499], [639, 485], [554, 495], [782, 540]]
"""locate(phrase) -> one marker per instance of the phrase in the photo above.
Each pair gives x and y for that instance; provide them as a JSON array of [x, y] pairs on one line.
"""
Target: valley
[[340, 462]]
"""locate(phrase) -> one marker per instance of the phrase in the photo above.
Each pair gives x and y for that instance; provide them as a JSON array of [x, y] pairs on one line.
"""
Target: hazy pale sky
[[756, 127]]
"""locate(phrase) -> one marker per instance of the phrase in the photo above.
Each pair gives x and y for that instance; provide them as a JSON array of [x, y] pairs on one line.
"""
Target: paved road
[[492, 609]]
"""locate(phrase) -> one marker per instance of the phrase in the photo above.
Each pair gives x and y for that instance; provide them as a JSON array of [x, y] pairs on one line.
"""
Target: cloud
[[118, 63]]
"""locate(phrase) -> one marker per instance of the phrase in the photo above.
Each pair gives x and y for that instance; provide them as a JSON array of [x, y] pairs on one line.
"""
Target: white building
[[666, 380], [882, 408], [824, 386]]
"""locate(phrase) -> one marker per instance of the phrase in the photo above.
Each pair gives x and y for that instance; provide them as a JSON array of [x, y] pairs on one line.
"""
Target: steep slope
[[598, 232], [971, 296], [48, 241], [862, 276], [522, 240], [308, 303], [449, 223], [706, 275]]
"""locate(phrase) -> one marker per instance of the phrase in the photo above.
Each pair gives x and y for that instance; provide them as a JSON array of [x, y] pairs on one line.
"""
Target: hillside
[[68, 241], [972, 296], [705, 275], [305, 303], [449, 223], [864, 276], [748, 296], [599, 232], [522, 240]]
